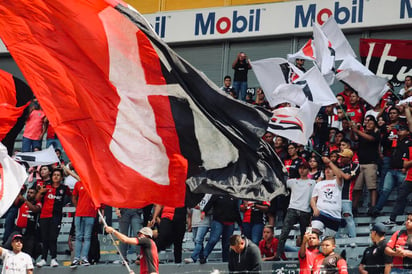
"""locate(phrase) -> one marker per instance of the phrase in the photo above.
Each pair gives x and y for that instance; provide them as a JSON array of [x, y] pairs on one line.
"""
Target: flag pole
[[115, 245]]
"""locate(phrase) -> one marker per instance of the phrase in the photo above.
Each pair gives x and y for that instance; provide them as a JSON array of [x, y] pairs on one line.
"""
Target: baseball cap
[[346, 153], [379, 228], [146, 231], [17, 236]]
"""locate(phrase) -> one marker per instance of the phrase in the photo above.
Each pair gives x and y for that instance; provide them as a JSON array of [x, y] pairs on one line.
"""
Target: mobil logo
[[342, 13], [208, 23]]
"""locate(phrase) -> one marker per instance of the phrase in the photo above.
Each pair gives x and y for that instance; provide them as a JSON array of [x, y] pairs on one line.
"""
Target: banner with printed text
[[391, 59]]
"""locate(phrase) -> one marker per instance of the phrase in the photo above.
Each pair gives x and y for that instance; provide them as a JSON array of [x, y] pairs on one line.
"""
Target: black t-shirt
[[368, 152], [374, 258], [241, 69], [353, 170]]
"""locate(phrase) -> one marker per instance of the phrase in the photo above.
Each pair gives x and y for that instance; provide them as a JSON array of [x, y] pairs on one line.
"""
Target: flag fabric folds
[[12, 177], [295, 124], [337, 39], [38, 158], [14, 98], [369, 86], [325, 54], [135, 118], [307, 52]]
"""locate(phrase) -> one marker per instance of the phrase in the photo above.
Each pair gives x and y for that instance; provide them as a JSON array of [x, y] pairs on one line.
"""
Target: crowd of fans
[[354, 147]]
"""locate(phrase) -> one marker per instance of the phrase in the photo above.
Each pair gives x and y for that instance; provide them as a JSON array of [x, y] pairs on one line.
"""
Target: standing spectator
[[11, 214], [299, 205], [279, 145], [374, 259], [244, 256], [308, 251], [347, 90], [399, 248], [52, 197], [51, 137], [260, 99], [300, 63], [395, 176], [315, 170], [326, 201], [84, 222], [389, 141], [368, 154], [172, 228], [328, 260], [405, 189], [149, 264], [241, 66], [199, 229], [293, 162], [268, 246], [355, 110], [253, 219], [16, 261], [227, 87], [36, 126], [129, 219], [225, 214], [407, 87], [27, 221], [349, 173]]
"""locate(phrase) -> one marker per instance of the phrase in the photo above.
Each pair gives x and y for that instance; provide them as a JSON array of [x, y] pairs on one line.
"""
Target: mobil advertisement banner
[[391, 59], [281, 18]]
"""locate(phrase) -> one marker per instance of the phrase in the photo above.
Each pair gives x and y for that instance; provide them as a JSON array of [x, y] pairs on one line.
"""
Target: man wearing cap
[[16, 261], [350, 172], [400, 248], [374, 259], [299, 205], [395, 175], [149, 263]]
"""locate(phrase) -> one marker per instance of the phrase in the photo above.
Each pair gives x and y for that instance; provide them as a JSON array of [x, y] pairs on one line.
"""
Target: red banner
[[391, 59]]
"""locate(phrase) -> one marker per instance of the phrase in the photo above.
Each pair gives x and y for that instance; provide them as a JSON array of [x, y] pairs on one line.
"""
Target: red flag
[[85, 101], [14, 98], [126, 108]]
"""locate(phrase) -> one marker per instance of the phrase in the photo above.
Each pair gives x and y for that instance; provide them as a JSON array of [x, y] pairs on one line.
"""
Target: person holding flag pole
[[149, 264]]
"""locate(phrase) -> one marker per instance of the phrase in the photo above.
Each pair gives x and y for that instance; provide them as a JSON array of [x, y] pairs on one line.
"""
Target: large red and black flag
[[136, 119], [390, 59], [15, 96]]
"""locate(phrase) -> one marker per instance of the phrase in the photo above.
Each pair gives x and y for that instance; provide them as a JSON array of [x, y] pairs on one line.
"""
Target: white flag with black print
[[295, 124], [37, 158]]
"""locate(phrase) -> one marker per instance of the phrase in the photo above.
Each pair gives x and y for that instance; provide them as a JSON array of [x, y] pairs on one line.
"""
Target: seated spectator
[[268, 246]]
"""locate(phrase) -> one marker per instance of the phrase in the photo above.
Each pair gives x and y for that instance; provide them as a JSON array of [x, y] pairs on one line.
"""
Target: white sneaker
[[188, 261], [54, 263], [41, 263]]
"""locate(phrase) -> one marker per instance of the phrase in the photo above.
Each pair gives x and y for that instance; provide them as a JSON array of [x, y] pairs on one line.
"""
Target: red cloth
[[408, 158], [85, 206], [90, 97]]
